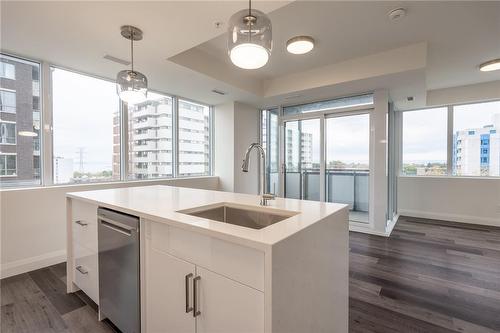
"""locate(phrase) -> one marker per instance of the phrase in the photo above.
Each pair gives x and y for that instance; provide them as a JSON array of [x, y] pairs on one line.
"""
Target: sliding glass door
[[347, 164], [302, 159], [328, 158]]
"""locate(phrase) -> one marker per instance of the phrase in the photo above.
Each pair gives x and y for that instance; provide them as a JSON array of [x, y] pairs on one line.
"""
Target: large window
[[85, 127], [19, 122], [457, 140], [94, 137], [8, 165], [150, 138], [194, 139], [476, 139], [425, 142]]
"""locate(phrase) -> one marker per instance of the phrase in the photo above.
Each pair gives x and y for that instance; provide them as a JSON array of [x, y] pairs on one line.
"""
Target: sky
[[347, 138], [424, 131], [83, 117]]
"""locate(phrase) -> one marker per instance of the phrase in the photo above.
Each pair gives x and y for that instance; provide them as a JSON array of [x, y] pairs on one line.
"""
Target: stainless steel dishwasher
[[119, 264]]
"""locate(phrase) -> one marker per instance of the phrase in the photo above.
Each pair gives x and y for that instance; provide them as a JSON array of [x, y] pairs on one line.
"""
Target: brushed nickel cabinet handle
[[186, 281], [196, 310], [82, 270], [80, 222]]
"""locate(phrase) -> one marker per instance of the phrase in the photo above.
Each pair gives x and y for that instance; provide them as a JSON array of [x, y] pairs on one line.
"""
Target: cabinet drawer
[[86, 235], [237, 262], [86, 271], [84, 212]]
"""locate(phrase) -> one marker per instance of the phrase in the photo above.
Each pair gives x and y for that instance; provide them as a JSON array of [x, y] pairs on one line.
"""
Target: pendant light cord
[[249, 21], [132, 47]]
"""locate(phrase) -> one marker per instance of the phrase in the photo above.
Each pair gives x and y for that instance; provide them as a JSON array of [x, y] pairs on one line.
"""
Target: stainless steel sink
[[245, 216]]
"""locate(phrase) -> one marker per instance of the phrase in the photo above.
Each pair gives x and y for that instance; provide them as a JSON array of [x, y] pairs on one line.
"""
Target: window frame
[[449, 143], [46, 131]]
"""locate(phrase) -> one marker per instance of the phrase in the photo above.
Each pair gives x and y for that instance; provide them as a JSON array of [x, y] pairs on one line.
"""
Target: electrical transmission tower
[[81, 154]]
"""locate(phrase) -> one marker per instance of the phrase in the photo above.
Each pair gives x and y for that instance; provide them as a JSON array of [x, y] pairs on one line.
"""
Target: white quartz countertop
[[160, 203]]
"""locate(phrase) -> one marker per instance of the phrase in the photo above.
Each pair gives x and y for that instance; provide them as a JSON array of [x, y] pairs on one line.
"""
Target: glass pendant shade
[[250, 39], [132, 86]]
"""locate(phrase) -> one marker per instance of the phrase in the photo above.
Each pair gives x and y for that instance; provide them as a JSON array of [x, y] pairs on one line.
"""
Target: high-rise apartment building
[[19, 121], [150, 139], [299, 152], [476, 151]]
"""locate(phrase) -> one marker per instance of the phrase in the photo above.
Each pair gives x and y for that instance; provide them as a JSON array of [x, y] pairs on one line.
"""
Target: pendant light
[[250, 37], [131, 86]]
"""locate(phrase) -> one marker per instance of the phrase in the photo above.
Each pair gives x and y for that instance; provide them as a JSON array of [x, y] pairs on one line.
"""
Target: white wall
[[246, 130], [237, 127], [464, 94], [460, 199], [224, 145], [33, 221]]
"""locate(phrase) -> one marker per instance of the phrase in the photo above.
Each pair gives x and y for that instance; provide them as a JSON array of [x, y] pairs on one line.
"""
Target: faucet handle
[[266, 197]]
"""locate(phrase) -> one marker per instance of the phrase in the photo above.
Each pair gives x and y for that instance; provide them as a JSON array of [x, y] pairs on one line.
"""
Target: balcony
[[347, 186], [150, 122], [149, 146]]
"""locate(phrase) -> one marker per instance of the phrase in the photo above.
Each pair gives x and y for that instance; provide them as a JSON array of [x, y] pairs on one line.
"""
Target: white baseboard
[[451, 217], [29, 264]]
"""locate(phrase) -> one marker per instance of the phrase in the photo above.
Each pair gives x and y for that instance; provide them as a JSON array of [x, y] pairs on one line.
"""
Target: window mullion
[[175, 136], [449, 164], [124, 144], [46, 140]]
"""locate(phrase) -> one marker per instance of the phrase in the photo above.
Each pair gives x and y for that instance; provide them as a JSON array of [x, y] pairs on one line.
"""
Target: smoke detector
[[397, 14]]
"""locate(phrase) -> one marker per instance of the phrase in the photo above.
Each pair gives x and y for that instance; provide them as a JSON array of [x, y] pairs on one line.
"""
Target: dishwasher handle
[[116, 226]]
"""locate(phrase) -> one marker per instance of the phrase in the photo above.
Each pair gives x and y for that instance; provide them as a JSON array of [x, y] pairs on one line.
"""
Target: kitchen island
[[215, 261]]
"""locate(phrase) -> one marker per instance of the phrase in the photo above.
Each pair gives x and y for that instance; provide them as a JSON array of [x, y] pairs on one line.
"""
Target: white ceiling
[[77, 34], [459, 36]]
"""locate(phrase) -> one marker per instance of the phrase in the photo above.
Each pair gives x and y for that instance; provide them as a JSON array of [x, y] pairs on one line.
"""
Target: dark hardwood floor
[[429, 276]]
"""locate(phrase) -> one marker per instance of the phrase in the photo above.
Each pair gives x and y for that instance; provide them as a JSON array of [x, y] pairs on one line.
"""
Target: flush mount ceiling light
[[27, 133], [249, 40], [489, 66], [300, 44], [131, 86]]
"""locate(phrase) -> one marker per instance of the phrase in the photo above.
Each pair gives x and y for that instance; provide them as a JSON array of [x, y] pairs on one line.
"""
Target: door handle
[[80, 222], [117, 228], [186, 281], [196, 310], [82, 270]]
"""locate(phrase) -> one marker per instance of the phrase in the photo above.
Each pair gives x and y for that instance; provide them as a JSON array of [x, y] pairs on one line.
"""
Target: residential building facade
[[19, 121], [476, 151]]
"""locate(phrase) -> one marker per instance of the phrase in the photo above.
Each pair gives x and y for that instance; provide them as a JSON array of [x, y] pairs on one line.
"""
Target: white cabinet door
[[227, 306], [166, 294]]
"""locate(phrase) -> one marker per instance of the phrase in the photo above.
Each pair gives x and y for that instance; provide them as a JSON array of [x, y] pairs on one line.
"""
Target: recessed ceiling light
[[300, 44], [489, 66]]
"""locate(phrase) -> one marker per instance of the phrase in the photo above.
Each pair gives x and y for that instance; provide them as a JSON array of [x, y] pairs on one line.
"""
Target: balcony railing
[[347, 186]]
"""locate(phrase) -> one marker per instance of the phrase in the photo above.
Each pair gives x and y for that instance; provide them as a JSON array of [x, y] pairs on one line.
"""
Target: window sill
[[90, 186], [452, 177]]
